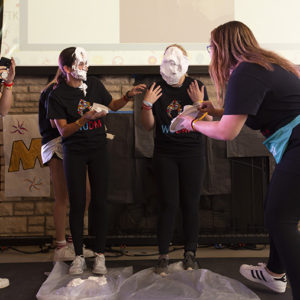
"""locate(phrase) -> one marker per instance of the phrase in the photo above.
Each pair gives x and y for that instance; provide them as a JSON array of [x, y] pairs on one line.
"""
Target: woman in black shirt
[[262, 90], [52, 156], [179, 157], [71, 105]]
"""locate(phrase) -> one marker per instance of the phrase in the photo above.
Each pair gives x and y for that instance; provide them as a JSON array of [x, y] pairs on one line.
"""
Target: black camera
[[6, 62]]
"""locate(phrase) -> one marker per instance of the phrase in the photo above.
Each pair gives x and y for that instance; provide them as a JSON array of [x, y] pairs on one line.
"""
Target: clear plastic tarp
[[122, 284]]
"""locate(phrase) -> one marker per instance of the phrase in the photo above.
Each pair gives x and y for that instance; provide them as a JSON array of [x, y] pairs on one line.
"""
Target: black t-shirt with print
[[166, 108], [66, 102], [47, 132], [271, 99]]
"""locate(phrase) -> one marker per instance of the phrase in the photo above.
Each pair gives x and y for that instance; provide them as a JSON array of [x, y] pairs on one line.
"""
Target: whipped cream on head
[[174, 65]]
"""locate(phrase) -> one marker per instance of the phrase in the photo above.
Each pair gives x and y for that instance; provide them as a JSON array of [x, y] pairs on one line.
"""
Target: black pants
[[75, 165], [179, 183], [282, 215]]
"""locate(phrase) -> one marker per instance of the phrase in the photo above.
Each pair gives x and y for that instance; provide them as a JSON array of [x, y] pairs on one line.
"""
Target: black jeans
[[179, 183], [75, 165], [282, 215]]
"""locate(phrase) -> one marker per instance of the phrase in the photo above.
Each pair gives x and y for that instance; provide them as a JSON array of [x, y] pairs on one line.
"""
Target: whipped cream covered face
[[80, 66], [174, 65]]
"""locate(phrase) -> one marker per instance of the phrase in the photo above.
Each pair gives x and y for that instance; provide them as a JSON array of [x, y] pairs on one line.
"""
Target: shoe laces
[[78, 261], [263, 265], [99, 258], [258, 266]]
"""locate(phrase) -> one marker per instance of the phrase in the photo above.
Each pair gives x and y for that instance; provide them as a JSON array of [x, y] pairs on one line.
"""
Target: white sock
[[60, 244]]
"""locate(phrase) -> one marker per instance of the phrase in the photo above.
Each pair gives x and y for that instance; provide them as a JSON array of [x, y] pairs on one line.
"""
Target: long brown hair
[[233, 43], [54, 80]]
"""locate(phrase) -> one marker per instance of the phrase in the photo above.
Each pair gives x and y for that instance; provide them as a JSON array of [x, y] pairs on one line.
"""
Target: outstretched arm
[[119, 103], [226, 129]]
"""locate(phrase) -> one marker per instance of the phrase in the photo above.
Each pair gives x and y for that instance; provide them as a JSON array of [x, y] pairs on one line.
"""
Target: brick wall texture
[[25, 216]]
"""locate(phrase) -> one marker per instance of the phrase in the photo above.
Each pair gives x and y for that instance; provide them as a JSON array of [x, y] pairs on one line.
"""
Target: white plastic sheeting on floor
[[121, 284]]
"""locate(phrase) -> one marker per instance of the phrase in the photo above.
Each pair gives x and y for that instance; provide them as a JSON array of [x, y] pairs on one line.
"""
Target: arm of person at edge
[[6, 96], [197, 97], [115, 105], [151, 96], [227, 128]]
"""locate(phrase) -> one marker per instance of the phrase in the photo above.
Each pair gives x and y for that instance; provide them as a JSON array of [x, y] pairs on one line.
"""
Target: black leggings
[[282, 215], [75, 165], [179, 182]]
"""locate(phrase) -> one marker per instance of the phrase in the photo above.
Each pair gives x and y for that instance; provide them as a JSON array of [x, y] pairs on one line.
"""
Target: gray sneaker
[[189, 261], [99, 264], [78, 265], [161, 268]]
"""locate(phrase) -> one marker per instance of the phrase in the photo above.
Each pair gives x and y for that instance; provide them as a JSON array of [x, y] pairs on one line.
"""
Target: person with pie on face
[[77, 105], [52, 156], [179, 157]]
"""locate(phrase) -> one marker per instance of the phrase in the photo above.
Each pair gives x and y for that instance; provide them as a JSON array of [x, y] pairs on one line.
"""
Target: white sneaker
[[78, 265], [4, 282], [64, 253], [86, 252], [260, 275], [99, 264]]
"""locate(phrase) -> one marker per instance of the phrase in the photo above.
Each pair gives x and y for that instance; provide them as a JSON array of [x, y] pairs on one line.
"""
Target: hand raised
[[137, 89], [153, 94], [195, 93]]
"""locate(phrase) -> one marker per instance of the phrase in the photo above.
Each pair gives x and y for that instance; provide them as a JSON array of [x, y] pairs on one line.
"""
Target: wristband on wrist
[[80, 122], [146, 107], [127, 95], [8, 86], [147, 103], [197, 119]]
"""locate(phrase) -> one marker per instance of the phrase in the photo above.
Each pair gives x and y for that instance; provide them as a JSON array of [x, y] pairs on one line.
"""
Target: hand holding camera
[[7, 70]]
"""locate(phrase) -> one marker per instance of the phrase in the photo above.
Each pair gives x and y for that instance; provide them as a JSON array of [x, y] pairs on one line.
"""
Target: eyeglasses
[[208, 48]]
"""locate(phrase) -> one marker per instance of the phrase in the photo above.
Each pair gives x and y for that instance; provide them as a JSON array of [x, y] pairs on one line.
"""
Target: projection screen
[[135, 32]]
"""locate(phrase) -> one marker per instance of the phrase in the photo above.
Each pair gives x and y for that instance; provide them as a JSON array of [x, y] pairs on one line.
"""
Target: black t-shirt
[[66, 102], [166, 108], [271, 99], [47, 132]]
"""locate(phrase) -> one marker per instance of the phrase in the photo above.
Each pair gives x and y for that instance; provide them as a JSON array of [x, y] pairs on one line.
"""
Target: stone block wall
[[23, 216]]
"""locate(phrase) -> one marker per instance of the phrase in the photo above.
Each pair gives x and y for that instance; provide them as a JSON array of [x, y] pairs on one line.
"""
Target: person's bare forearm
[[147, 119], [66, 130], [6, 100], [118, 103]]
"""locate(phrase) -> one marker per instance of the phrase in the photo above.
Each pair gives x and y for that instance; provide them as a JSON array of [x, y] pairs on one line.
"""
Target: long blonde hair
[[233, 43]]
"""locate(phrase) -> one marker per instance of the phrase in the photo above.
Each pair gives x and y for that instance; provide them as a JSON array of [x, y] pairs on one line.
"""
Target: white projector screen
[[136, 32]]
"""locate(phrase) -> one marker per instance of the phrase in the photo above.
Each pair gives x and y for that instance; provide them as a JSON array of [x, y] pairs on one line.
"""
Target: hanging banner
[[25, 175]]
